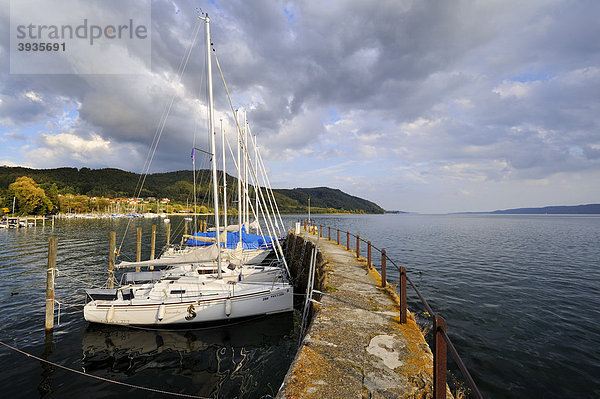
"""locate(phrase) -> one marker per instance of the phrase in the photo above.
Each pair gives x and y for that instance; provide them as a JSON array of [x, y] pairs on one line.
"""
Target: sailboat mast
[[239, 182], [246, 193], [211, 127], [224, 185]]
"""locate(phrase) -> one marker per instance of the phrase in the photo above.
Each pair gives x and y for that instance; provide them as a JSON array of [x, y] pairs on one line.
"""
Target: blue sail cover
[[249, 241]]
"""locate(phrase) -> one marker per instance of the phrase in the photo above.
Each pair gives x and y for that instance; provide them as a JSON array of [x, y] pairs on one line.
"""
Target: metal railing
[[441, 341]]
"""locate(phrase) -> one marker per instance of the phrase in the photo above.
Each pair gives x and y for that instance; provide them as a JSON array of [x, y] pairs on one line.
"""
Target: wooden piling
[[383, 267], [153, 242], [111, 260], [52, 248], [329, 227], [369, 254], [358, 246], [169, 232], [138, 248], [347, 241]]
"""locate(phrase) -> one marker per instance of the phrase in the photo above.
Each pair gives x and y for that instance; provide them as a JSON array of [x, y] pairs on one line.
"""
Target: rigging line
[[98, 377], [161, 126], [251, 165]]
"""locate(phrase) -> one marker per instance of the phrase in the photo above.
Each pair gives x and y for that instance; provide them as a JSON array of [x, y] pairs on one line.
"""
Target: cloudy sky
[[423, 106]]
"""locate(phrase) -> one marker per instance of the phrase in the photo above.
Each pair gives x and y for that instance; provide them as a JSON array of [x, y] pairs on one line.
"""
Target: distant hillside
[[178, 186], [324, 198], [553, 210]]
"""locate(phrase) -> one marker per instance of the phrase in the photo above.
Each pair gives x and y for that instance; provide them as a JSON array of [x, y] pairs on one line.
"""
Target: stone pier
[[355, 346]]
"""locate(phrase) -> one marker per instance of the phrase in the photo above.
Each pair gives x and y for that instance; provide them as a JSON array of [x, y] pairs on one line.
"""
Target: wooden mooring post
[[138, 248], [169, 232], [329, 227], [153, 242], [138, 245], [383, 267], [369, 254], [111, 260], [52, 248], [358, 246], [347, 241]]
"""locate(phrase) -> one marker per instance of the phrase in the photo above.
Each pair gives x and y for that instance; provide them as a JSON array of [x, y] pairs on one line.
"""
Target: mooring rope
[[183, 395]]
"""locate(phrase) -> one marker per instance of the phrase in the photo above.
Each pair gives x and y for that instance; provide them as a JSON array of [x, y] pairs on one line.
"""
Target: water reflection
[[235, 360]]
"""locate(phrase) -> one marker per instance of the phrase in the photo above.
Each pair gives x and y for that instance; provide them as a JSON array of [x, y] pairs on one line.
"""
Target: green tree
[[52, 195], [31, 199], [80, 203]]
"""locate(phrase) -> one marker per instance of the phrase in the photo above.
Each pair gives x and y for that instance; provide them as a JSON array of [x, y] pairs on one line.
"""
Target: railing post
[[383, 268], [52, 247], [329, 228], [111, 260], [338, 236], [347, 241], [402, 295], [369, 254], [439, 358], [357, 246]]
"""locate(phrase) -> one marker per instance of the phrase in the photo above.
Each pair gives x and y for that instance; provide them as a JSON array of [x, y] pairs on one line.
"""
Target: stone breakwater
[[355, 346]]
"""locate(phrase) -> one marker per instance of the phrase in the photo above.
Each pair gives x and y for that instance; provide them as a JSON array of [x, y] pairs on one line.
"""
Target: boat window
[[177, 292], [102, 294], [127, 294]]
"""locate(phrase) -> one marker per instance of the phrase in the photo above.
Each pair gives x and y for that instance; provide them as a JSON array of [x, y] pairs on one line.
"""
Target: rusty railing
[[441, 341]]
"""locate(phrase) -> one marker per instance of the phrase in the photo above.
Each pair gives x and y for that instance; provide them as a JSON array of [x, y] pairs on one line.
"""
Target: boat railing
[[441, 342]]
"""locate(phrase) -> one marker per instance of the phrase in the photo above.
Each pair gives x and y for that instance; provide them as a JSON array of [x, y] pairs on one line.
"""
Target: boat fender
[[111, 314], [161, 312], [228, 307]]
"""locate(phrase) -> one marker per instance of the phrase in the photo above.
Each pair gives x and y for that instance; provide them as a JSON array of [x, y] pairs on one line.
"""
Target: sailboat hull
[[209, 308]]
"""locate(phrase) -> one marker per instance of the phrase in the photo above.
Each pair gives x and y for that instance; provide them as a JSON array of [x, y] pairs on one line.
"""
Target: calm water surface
[[521, 295], [247, 359]]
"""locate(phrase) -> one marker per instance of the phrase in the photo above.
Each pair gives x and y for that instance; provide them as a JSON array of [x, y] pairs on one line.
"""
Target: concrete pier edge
[[355, 345]]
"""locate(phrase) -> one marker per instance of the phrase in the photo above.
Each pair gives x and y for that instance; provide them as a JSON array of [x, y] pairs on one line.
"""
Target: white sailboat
[[189, 296]]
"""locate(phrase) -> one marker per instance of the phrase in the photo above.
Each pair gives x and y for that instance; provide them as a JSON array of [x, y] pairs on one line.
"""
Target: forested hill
[[325, 197], [177, 186]]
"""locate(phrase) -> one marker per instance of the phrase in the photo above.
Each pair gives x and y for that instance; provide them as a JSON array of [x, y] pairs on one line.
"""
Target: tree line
[[78, 186]]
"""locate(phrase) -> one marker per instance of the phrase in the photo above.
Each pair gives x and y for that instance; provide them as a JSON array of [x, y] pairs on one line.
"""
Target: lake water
[[520, 294], [247, 359]]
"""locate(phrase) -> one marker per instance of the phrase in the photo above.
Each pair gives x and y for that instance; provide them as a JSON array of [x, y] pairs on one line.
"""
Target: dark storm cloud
[[504, 89]]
